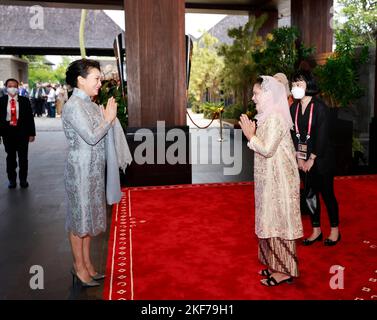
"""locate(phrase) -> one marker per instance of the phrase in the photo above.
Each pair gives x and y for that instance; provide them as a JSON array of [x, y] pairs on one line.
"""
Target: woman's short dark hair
[[79, 68], [311, 85]]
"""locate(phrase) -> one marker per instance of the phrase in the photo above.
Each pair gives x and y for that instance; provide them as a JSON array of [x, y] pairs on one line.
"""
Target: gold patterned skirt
[[279, 255]]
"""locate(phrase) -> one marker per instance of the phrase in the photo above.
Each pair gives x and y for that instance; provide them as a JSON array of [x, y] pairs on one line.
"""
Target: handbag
[[309, 200]]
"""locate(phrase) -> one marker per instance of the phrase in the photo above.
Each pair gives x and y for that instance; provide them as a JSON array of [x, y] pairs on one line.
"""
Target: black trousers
[[39, 107], [16, 145], [316, 183]]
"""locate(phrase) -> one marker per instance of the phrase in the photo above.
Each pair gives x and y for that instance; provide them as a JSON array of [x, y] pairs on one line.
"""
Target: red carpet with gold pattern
[[197, 242]]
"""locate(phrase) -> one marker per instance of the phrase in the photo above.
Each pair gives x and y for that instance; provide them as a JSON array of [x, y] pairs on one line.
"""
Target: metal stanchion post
[[221, 125]]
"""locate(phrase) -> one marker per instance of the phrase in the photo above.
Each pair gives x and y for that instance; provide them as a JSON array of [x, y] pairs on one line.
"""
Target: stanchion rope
[[214, 117]]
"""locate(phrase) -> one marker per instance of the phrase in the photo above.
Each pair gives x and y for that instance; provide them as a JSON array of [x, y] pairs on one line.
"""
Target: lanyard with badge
[[302, 152]]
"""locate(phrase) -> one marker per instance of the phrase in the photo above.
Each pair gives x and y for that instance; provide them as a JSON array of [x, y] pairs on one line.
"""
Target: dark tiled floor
[[32, 221], [32, 226]]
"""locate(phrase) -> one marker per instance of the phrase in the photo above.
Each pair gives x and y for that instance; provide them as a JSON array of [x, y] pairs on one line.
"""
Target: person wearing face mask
[[17, 129], [315, 155], [277, 182]]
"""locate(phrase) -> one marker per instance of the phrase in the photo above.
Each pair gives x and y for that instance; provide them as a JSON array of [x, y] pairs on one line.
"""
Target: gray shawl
[[118, 155]]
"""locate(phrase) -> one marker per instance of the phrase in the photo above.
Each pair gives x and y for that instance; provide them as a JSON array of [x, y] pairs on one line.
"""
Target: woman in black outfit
[[315, 154]]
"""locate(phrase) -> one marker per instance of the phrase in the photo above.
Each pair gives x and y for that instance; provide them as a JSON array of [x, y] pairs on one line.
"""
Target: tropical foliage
[[109, 89], [281, 52], [360, 18], [240, 69], [206, 69], [339, 77], [41, 71]]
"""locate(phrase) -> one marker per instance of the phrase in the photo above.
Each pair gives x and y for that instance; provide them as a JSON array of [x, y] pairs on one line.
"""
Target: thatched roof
[[60, 32], [220, 30]]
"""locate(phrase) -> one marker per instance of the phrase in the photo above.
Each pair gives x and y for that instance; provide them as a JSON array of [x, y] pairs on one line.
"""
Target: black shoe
[[265, 273], [307, 242], [12, 184], [272, 282], [89, 284], [24, 184], [329, 242]]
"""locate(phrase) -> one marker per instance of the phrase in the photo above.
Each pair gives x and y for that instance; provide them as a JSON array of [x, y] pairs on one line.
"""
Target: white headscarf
[[273, 100]]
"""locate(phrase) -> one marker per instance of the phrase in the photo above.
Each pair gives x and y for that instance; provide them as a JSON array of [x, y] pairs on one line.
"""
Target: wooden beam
[[80, 4], [55, 51], [197, 6], [227, 7]]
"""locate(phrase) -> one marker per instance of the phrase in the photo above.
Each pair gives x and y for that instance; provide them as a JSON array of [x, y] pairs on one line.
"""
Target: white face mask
[[12, 91], [298, 93]]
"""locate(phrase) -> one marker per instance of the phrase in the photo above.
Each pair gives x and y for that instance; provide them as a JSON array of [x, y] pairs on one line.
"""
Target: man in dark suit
[[17, 129], [38, 99]]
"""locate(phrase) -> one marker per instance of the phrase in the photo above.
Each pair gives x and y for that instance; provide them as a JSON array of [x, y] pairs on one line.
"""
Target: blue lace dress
[[84, 176]]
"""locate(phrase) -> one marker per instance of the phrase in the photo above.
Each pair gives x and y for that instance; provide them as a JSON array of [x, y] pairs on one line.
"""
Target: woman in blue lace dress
[[85, 125]]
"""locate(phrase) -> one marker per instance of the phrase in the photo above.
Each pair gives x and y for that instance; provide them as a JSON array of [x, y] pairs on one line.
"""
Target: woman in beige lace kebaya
[[277, 198]]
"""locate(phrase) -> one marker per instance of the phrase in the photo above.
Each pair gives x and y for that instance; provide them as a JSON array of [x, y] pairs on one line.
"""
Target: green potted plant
[[110, 88], [281, 52], [338, 80]]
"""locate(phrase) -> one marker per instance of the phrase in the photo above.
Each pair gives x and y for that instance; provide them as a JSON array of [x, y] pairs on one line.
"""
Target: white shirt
[[51, 95], [8, 108]]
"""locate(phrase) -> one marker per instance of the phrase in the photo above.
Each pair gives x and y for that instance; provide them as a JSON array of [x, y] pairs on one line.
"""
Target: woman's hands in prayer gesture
[[248, 126], [110, 112]]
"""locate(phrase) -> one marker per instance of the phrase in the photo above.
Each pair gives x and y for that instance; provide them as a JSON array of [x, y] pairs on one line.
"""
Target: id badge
[[302, 151]]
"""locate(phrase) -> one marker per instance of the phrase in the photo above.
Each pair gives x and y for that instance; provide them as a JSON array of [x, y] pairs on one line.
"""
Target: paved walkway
[[48, 124]]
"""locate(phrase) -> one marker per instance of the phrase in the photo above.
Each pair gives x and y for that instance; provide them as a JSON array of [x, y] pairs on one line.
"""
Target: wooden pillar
[[373, 125], [313, 18], [156, 89], [155, 53], [271, 22], [375, 81]]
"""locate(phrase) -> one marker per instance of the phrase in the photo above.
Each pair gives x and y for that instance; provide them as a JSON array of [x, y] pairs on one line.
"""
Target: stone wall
[[13, 67]]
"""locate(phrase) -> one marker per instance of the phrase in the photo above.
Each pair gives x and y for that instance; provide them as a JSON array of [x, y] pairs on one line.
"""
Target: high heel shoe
[[328, 242], [91, 283], [98, 276], [307, 242]]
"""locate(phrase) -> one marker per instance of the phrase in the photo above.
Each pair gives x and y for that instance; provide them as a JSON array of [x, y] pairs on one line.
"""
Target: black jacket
[[320, 141], [25, 123]]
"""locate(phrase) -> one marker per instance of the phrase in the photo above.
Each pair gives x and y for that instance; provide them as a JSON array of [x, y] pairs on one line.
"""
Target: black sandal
[[271, 281], [265, 273]]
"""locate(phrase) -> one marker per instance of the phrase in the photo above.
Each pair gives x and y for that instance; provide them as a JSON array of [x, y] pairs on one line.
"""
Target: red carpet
[[197, 242]]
